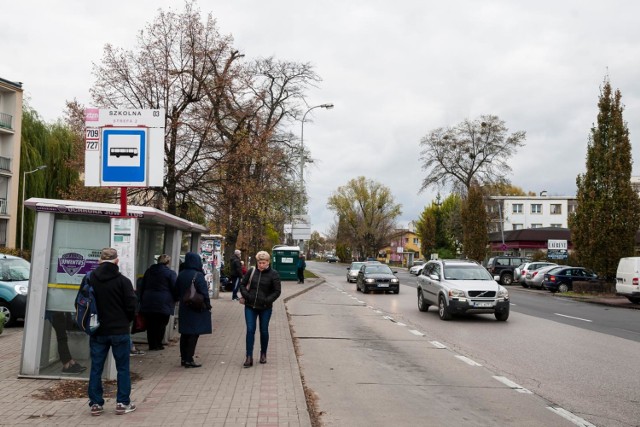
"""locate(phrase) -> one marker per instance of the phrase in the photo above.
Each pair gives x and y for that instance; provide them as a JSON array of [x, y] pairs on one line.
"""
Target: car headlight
[[370, 280], [503, 293], [456, 293], [21, 289], [394, 281]]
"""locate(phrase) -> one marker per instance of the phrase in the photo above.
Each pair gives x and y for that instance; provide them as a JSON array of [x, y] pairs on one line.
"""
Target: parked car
[[377, 276], [534, 278], [520, 273], [14, 285], [628, 279], [461, 286], [416, 269], [561, 279], [502, 266], [352, 271], [333, 258]]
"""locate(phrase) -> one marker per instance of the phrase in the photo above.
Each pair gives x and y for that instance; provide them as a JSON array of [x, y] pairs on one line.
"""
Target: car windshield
[[378, 269], [466, 272], [356, 265], [14, 270], [554, 270]]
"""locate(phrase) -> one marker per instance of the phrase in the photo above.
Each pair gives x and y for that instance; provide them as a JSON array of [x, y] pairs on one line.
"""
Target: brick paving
[[220, 393]]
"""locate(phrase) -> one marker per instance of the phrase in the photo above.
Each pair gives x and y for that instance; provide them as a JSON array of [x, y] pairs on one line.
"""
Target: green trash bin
[[284, 259]]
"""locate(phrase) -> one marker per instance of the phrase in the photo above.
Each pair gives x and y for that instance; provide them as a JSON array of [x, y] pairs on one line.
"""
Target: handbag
[[192, 297], [253, 270], [139, 324]]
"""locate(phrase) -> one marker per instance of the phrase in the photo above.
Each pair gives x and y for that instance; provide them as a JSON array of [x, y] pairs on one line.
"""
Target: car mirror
[[394, 271], [434, 277], [496, 278]]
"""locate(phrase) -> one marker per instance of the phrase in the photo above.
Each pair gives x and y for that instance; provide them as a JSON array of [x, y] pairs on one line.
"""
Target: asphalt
[[220, 393]]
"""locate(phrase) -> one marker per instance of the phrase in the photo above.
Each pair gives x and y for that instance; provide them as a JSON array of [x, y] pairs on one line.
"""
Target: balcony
[[6, 121], [3, 206], [5, 164]]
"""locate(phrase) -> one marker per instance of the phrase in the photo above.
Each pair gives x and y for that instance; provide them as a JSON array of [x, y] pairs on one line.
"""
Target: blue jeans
[[251, 316], [120, 347], [236, 287]]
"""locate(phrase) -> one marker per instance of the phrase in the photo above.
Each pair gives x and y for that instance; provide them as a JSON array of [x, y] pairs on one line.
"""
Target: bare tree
[[473, 150]]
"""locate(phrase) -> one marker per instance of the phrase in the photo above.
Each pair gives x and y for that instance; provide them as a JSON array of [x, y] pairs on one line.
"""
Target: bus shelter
[[67, 241]]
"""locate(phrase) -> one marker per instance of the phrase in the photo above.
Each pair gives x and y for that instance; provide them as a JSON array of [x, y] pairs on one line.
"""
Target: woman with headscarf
[[260, 287], [158, 300], [193, 322]]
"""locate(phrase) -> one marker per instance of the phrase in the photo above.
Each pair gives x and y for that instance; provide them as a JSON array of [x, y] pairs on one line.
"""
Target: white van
[[628, 279]]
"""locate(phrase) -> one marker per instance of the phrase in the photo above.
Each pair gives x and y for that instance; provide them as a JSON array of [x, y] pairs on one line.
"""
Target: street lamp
[[24, 184], [328, 107]]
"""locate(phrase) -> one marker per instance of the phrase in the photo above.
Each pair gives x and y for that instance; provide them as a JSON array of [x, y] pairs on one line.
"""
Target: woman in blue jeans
[[260, 287]]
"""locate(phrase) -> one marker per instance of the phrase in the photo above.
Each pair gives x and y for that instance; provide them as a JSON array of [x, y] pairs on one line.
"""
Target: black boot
[[248, 362]]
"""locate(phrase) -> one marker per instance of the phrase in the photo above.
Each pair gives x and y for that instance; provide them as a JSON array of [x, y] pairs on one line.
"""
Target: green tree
[[477, 150], [439, 226], [607, 216], [426, 230], [474, 224], [367, 211], [316, 242]]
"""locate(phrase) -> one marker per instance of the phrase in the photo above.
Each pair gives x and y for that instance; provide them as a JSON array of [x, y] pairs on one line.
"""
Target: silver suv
[[461, 286]]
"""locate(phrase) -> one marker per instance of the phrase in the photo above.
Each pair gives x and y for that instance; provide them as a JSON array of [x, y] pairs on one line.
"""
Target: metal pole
[[24, 185]]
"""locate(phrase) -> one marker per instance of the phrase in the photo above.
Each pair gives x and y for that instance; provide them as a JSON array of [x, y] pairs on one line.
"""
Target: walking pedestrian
[[260, 287], [116, 304], [158, 296], [193, 322], [302, 265], [236, 273]]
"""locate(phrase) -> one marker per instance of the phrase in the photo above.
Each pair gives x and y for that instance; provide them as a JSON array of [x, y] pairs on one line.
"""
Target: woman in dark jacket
[[260, 287], [193, 322], [158, 298]]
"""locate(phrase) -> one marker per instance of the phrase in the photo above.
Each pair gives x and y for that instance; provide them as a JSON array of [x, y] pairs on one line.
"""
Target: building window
[[536, 225], [517, 226], [572, 208], [556, 209], [415, 241], [517, 208], [3, 232], [556, 225], [536, 208]]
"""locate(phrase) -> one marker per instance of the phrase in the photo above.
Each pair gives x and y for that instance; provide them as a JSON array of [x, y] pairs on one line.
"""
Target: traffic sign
[[124, 156]]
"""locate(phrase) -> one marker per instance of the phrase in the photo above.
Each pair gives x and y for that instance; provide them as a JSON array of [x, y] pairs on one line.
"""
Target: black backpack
[[86, 315]]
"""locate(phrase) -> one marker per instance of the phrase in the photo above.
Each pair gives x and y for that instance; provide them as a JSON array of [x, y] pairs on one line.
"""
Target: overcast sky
[[393, 69]]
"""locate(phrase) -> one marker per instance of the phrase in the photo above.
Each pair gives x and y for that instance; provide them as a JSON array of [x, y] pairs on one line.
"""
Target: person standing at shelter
[[260, 287], [236, 273], [302, 265], [158, 296], [116, 303], [192, 322]]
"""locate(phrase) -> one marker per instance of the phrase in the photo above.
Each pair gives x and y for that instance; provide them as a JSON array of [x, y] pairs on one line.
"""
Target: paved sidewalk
[[220, 393]]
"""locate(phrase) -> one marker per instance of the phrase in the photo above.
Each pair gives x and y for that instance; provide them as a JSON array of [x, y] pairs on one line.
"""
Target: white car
[[520, 273], [352, 271], [628, 279], [416, 269]]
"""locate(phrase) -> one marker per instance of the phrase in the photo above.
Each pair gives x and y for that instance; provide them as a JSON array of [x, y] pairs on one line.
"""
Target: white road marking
[[511, 384], [400, 324], [468, 361], [378, 312], [571, 317], [437, 344], [370, 307], [361, 302], [571, 417], [418, 333]]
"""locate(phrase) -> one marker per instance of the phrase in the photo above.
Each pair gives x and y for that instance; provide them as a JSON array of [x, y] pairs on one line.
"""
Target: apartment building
[[10, 137], [523, 212]]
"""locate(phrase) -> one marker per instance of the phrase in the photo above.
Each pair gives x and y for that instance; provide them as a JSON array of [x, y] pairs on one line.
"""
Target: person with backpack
[[115, 301]]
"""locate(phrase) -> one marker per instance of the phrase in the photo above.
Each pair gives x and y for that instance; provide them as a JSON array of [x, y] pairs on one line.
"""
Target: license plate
[[383, 285], [484, 304]]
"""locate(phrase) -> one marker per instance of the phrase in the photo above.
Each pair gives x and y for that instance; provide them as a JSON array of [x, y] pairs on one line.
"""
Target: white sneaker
[[122, 409]]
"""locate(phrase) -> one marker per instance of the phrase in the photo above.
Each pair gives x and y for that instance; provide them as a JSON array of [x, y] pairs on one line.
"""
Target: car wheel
[[422, 303], [502, 316], [524, 285], [9, 320], [563, 287], [443, 310], [506, 279], [634, 300]]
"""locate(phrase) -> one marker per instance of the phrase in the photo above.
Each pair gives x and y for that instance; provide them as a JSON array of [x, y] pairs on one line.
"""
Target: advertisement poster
[[123, 239], [74, 263]]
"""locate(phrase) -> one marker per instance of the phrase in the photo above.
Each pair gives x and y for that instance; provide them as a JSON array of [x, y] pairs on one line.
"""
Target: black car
[[503, 267], [333, 258], [561, 279], [377, 277]]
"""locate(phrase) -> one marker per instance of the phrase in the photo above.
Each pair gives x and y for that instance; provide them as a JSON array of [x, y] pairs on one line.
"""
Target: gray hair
[[237, 252], [263, 256], [108, 255]]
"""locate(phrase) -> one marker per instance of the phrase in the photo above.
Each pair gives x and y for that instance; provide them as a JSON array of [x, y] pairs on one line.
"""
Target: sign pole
[[123, 202]]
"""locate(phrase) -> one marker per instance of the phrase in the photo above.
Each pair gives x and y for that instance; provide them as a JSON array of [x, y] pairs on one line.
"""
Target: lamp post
[[24, 185], [328, 107]]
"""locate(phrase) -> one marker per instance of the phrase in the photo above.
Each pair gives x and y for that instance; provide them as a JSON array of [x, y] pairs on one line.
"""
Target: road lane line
[[512, 385], [437, 344], [389, 318], [468, 361], [571, 317], [400, 324], [418, 333], [571, 417]]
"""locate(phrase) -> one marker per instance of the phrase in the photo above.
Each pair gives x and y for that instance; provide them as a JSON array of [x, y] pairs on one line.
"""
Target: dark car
[[14, 285], [503, 266], [377, 277], [333, 258], [561, 279]]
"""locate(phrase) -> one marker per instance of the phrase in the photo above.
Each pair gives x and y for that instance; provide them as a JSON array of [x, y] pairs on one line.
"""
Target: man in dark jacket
[[236, 273], [116, 303]]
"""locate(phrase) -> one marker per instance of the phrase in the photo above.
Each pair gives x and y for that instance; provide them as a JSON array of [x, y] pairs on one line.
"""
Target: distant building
[[10, 137], [522, 212], [403, 249]]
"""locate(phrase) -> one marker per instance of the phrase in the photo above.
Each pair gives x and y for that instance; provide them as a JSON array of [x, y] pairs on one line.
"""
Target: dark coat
[[302, 264], [157, 290], [193, 322], [236, 267], [264, 289], [115, 299]]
